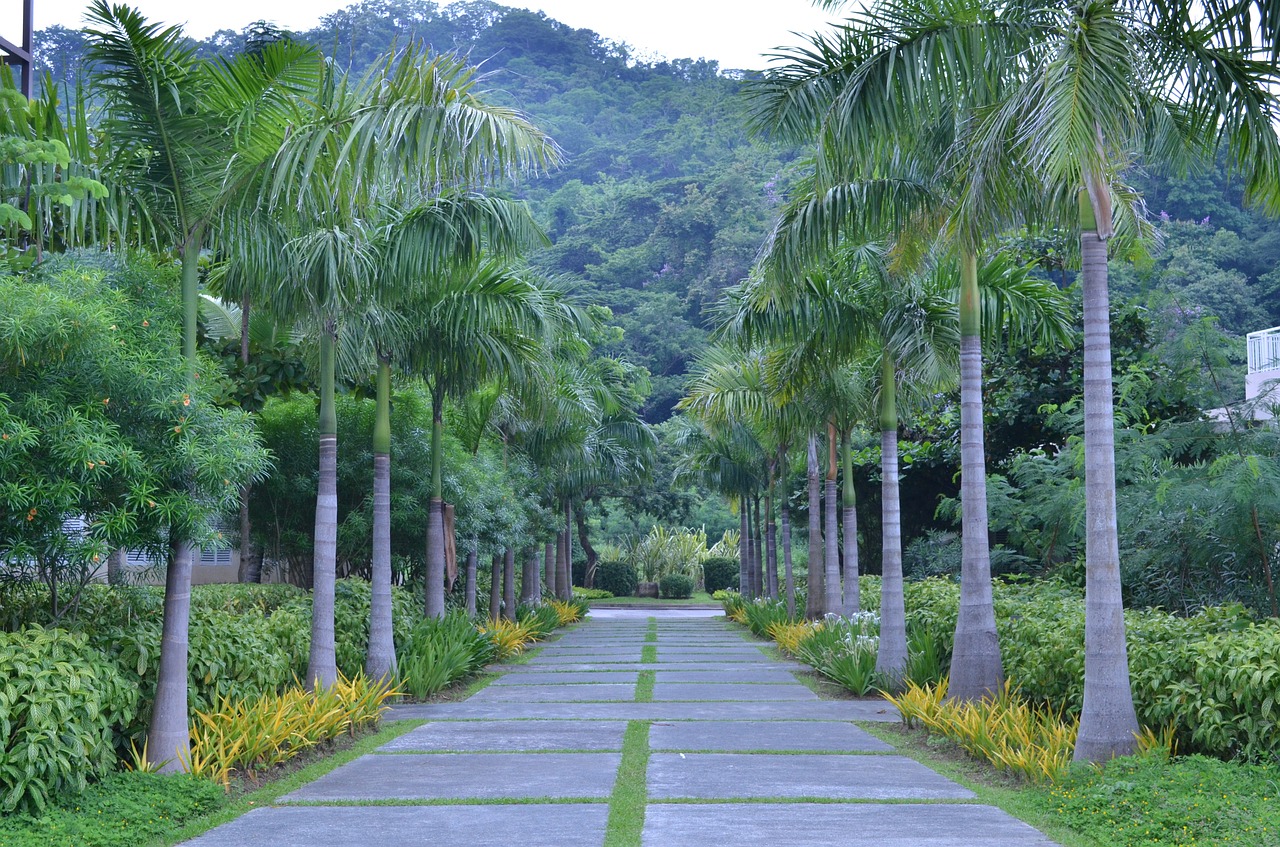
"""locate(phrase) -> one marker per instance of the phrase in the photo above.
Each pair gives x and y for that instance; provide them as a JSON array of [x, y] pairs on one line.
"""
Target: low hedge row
[[76, 696]]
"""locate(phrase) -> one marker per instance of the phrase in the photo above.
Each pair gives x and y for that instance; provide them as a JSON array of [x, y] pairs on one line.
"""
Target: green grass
[[700, 598], [630, 792], [1132, 802], [644, 686], [649, 654]]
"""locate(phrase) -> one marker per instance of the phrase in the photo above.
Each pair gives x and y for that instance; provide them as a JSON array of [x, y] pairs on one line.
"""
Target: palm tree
[[1107, 80], [167, 115]]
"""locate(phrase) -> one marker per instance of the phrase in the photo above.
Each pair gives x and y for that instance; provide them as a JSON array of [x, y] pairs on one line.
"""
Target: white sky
[[733, 32]]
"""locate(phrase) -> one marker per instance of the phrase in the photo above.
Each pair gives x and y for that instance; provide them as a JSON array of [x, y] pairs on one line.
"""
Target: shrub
[[441, 651], [592, 593], [719, 572], [618, 578], [59, 703], [676, 586], [541, 621], [760, 614]]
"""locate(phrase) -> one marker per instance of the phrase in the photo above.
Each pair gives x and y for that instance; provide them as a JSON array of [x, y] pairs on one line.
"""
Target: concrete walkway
[[732, 747]]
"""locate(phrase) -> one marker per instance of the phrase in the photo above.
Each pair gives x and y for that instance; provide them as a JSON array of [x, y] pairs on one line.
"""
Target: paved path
[[733, 748]]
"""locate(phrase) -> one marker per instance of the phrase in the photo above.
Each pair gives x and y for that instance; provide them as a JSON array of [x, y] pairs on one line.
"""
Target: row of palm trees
[[362, 211], [941, 126]]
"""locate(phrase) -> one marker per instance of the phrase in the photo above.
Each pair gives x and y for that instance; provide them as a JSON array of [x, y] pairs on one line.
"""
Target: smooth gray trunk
[[530, 583], [116, 563], [771, 559], [750, 547], [976, 667], [786, 562], [169, 738], [562, 566], [549, 567], [831, 563], [250, 555], [380, 663], [509, 584], [852, 601], [322, 668], [815, 603], [473, 565], [435, 559], [744, 550], [891, 659], [566, 583], [495, 589], [1108, 722]]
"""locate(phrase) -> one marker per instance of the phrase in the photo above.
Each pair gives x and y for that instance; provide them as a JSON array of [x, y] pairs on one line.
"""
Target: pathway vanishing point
[[729, 748]]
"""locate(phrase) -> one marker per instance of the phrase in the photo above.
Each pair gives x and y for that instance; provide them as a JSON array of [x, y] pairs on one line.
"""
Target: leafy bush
[[618, 578], [592, 593], [441, 651], [59, 703], [676, 586], [570, 611], [844, 649], [760, 614], [719, 572], [541, 621]]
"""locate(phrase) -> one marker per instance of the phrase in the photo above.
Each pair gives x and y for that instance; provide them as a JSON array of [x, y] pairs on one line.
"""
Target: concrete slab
[[738, 675], [728, 736], [849, 825], [448, 776], [730, 691], [709, 658], [729, 776], [593, 667], [554, 693], [564, 825], [544, 677], [821, 710], [509, 737], [586, 657]]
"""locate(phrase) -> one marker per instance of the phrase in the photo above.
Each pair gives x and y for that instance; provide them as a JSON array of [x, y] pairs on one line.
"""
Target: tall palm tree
[[1107, 80], [167, 115]]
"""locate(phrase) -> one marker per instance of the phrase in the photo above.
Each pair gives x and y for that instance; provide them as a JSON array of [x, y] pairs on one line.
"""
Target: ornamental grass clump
[[760, 614], [441, 651], [1033, 742], [509, 637], [844, 650], [570, 611], [789, 634], [247, 737]]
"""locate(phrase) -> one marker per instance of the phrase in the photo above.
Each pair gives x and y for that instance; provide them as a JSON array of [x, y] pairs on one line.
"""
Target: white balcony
[[1262, 382]]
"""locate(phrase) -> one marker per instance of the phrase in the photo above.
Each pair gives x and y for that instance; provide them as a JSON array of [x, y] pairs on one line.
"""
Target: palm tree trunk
[[891, 659], [1107, 721], [116, 566], [549, 567], [559, 592], [509, 584], [495, 589], [757, 564], [380, 662], [250, 570], [852, 599], [566, 578], [749, 542], [832, 561], [976, 667], [744, 549], [786, 561], [434, 588], [322, 669], [473, 565], [584, 538], [169, 738], [770, 574], [815, 602], [530, 581]]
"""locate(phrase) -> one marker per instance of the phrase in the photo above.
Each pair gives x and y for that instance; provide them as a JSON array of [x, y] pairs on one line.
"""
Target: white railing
[[1264, 350]]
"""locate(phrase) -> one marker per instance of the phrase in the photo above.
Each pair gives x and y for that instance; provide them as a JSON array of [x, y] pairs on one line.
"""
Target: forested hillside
[[663, 198]]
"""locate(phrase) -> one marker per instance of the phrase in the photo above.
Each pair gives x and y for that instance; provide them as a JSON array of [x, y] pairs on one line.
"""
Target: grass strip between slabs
[[649, 655], [651, 634], [644, 687], [272, 791], [630, 790]]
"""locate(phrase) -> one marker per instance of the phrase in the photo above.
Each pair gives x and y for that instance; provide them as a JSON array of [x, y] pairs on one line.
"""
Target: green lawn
[[700, 598]]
